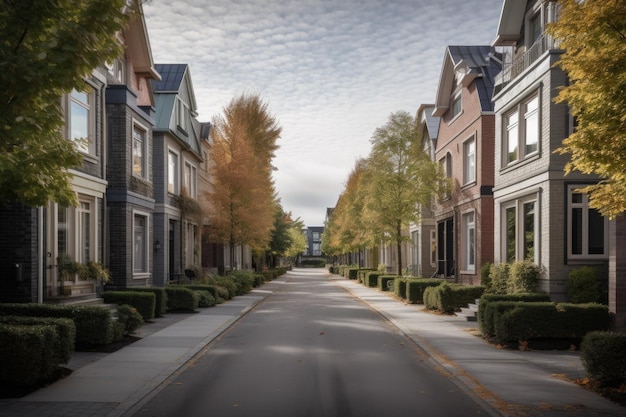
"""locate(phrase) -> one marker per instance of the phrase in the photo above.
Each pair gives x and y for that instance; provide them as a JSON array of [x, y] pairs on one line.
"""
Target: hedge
[[415, 288], [94, 325], [383, 281], [399, 287], [448, 298], [371, 278], [603, 355], [144, 302], [160, 305], [27, 353], [181, 299], [351, 273], [486, 313], [362, 274], [244, 281], [65, 328], [205, 299], [523, 321]]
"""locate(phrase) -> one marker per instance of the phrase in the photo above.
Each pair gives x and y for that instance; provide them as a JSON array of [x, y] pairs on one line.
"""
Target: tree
[[298, 240], [241, 204], [400, 179], [593, 35], [45, 52]]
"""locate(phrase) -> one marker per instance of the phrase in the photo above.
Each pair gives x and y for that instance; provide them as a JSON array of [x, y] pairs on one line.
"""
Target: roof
[[510, 23], [468, 63], [171, 77]]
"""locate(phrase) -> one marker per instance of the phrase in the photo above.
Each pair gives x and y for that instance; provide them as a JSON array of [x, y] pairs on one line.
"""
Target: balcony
[[515, 67]]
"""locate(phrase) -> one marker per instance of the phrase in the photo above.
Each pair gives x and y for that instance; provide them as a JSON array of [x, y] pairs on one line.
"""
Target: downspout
[[40, 255]]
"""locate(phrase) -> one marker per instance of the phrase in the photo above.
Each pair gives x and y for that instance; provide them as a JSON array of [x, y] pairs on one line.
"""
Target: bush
[[485, 277], [259, 279], [448, 298], [65, 328], [181, 299], [583, 285], [205, 299], [399, 287], [383, 281], [371, 278], [226, 283], [144, 302], [351, 273], [487, 309], [27, 353], [94, 325], [415, 288], [603, 355], [244, 281], [523, 277], [499, 274], [362, 274], [129, 318], [160, 304]]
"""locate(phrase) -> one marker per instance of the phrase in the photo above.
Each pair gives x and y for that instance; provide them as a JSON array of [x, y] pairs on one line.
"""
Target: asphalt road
[[311, 349]]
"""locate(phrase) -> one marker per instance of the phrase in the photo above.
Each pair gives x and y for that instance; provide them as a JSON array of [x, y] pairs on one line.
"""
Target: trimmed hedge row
[[383, 281], [144, 302], [160, 305], [514, 321], [486, 316], [448, 298], [94, 325], [602, 354], [65, 329], [371, 278], [181, 299], [415, 288]]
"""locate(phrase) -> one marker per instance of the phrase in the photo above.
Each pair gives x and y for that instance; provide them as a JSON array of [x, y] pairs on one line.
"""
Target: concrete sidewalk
[[510, 383]]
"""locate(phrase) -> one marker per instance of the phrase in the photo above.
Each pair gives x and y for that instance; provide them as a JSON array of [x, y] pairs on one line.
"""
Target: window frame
[[517, 207], [182, 116], [143, 251], [136, 126], [190, 179], [469, 165], [516, 133], [468, 222], [88, 148], [585, 226], [173, 174]]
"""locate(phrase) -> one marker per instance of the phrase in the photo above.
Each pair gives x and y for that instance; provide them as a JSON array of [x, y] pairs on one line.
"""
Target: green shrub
[[485, 277], [181, 299], [362, 274], [371, 278], [383, 281], [523, 277], [244, 281], [144, 302], [226, 283], [415, 288], [65, 328], [160, 302], [93, 324], [487, 311], [129, 318], [205, 299], [603, 355], [499, 274], [27, 353], [259, 279], [351, 273], [399, 287], [583, 285], [448, 298]]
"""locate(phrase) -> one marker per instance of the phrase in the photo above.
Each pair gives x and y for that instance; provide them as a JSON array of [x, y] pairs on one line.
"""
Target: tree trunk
[[399, 245]]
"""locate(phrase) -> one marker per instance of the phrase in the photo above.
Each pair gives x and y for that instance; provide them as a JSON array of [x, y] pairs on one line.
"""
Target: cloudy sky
[[331, 71]]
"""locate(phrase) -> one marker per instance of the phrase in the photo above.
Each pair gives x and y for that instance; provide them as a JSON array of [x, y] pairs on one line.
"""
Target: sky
[[330, 71]]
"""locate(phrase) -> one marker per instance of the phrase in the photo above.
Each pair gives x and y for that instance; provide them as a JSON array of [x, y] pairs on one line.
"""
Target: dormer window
[[182, 116]]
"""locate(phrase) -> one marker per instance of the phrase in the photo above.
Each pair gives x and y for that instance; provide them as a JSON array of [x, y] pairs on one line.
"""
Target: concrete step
[[470, 312]]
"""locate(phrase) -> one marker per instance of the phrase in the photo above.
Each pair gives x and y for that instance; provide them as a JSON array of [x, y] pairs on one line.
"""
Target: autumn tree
[[593, 35], [401, 178], [45, 52], [241, 203]]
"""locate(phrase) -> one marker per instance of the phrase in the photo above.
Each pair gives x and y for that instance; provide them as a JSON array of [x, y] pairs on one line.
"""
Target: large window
[[172, 172], [190, 180], [446, 165], [587, 229], [182, 116], [140, 243], [469, 161], [519, 230], [469, 242], [521, 138], [80, 119], [139, 151]]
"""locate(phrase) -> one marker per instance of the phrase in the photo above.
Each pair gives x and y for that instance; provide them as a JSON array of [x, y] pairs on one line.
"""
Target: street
[[311, 349]]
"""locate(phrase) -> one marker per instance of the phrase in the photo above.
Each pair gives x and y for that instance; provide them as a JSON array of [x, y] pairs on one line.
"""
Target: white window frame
[[86, 145], [138, 127], [182, 115], [456, 106], [468, 222], [469, 161], [190, 175], [583, 205], [518, 206], [515, 133], [117, 69], [144, 251], [173, 174]]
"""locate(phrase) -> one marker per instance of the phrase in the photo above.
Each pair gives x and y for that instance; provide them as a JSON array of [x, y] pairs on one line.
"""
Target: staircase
[[85, 300], [470, 312]]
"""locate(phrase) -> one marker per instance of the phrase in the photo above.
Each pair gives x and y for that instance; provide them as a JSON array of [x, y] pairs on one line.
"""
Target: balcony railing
[[511, 70]]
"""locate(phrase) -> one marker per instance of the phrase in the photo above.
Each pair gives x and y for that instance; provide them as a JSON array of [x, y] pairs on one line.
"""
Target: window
[[83, 230], [316, 249], [117, 69], [446, 165], [469, 161], [587, 229], [469, 242], [316, 235], [76, 231], [457, 107], [190, 246], [190, 180], [139, 151], [172, 172], [521, 138], [519, 230], [80, 120], [140, 243], [182, 116]]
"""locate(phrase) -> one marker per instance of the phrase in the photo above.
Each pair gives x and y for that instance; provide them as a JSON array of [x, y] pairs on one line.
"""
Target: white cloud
[[331, 71]]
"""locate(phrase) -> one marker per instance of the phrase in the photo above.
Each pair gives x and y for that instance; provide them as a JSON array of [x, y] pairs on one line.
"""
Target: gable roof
[[171, 77], [467, 64], [510, 23]]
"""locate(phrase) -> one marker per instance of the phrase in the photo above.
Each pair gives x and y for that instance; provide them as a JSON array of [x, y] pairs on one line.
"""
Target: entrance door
[[445, 248]]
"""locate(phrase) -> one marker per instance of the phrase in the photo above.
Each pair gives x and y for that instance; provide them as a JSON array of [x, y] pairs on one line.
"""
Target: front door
[[445, 248]]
